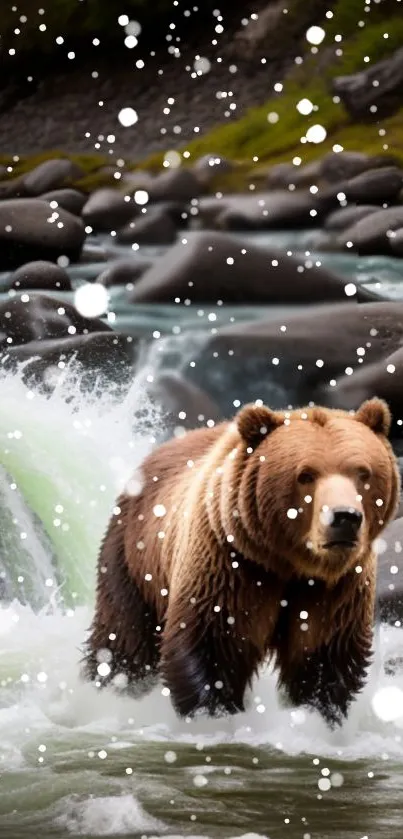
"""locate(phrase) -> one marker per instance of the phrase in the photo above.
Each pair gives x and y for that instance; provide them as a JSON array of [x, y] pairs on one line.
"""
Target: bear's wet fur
[[224, 560]]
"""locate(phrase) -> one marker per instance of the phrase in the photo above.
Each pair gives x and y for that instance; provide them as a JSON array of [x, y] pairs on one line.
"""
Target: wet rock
[[69, 199], [270, 211], [383, 378], [156, 227], [308, 175], [187, 405], [389, 588], [249, 40], [321, 241], [396, 242], [31, 230], [347, 216], [50, 175], [175, 185], [217, 266], [41, 275], [372, 234], [107, 209], [272, 33], [303, 350], [12, 188], [208, 211], [37, 317], [93, 253], [336, 167], [365, 100], [209, 166], [109, 354], [124, 272], [176, 210], [375, 186], [281, 175], [131, 182]]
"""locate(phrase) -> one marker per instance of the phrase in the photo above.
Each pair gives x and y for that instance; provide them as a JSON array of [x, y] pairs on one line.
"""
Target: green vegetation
[[254, 135], [347, 15], [276, 131]]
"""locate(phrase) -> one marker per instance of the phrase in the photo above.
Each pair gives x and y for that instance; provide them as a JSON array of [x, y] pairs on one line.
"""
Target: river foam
[[70, 452]]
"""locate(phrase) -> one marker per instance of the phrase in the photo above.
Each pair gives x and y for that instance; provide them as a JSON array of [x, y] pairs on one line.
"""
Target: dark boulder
[[373, 234], [69, 199], [37, 317], [289, 359], [365, 100], [156, 227], [186, 405], [347, 216], [30, 230], [124, 271], [51, 174], [40, 275], [217, 266], [107, 209], [383, 378], [105, 354]]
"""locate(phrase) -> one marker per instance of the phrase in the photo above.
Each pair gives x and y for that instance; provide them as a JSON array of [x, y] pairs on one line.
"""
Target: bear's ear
[[376, 415], [257, 421]]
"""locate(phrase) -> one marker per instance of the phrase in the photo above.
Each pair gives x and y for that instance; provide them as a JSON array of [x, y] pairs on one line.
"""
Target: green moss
[[89, 163], [95, 180], [369, 42], [348, 14], [256, 135]]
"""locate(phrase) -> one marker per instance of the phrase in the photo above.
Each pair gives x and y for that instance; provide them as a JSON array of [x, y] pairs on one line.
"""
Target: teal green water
[[77, 762]]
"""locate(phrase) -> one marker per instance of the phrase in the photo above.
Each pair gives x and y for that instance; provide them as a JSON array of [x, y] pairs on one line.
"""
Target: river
[[75, 761]]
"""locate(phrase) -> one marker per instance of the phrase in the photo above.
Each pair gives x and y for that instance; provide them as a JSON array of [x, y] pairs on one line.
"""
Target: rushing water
[[78, 762]]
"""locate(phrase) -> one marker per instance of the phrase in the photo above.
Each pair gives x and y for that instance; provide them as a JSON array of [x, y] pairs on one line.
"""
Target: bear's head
[[317, 486]]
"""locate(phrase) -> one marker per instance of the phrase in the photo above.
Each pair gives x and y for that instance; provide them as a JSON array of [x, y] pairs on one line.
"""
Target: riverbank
[[224, 88]]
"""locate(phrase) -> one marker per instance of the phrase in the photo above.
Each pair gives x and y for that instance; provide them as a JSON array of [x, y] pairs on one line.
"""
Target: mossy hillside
[[348, 16], [89, 163], [255, 136]]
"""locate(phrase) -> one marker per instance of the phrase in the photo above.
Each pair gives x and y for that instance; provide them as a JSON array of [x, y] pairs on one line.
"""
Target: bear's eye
[[364, 474], [306, 477]]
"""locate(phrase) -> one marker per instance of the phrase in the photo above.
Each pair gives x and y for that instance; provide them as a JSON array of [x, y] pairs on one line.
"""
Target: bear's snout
[[343, 527], [339, 513]]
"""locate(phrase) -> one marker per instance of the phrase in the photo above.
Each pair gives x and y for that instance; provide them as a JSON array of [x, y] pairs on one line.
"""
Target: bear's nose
[[343, 526]]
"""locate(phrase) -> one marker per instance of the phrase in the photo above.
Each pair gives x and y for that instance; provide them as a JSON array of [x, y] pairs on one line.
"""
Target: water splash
[[68, 455], [74, 453]]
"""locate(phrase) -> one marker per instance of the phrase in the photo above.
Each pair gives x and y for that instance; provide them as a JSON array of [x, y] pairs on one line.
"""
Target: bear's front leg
[[123, 632], [205, 663], [329, 675], [216, 635], [329, 678]]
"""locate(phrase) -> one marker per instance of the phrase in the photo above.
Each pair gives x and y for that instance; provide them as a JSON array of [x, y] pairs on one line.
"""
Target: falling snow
[[51, 718]]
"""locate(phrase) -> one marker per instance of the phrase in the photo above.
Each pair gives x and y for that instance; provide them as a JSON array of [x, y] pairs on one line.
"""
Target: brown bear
[[248, 541]]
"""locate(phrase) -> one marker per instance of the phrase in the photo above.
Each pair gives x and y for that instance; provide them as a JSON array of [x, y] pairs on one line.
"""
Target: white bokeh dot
[[315, 35], [127, 117], [387, 703], [91, 300]]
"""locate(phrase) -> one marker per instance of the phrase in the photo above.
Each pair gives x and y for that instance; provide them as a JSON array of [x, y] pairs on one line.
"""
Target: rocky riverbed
[[163, 241]]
